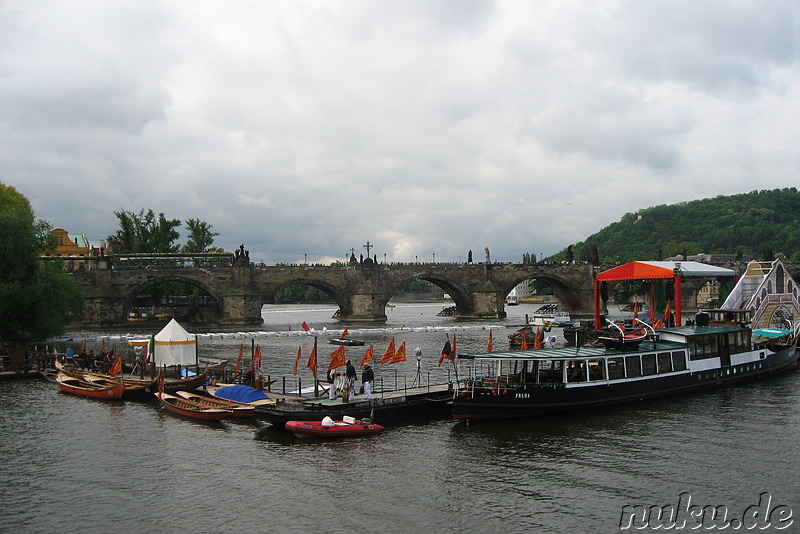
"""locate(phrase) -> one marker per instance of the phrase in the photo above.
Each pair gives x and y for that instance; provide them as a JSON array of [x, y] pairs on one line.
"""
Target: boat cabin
[[668, 351]]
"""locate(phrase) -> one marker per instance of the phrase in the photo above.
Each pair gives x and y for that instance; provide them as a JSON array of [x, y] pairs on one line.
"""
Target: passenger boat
[[191, 410], [328, 428], [618, 337], [237, 409], [81, 388], [717, 350]]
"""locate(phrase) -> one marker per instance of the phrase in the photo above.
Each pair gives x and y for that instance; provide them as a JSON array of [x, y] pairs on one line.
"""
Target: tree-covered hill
[[760, 224]]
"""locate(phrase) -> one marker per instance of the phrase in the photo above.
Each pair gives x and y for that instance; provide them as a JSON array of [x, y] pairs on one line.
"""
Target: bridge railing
[[209, 260]]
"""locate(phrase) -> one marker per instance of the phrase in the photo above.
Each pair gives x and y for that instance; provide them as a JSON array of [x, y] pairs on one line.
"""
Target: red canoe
[[328, 428], [75, 386]]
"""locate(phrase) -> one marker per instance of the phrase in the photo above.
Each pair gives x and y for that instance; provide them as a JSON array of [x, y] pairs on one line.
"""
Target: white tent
[[175, 346]]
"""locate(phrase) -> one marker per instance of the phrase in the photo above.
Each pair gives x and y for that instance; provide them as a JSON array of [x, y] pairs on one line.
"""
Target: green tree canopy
[[760, 224], [37, 300], [144, 233], [200, 236]]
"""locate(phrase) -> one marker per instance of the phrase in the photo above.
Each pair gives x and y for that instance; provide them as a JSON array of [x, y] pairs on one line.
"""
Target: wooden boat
[[625, 339], [240, 393], [671, 362], [238, 409], [135, 389], [191, 410], [328, 428], [81, 388]]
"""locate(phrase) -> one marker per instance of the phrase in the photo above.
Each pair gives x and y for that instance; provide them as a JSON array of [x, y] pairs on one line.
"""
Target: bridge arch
[[566, 293], [134, 290], [461, 296], [269, 291]]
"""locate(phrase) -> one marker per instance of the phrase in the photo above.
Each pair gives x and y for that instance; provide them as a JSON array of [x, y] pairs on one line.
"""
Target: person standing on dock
[[367, 376], [351, 381]]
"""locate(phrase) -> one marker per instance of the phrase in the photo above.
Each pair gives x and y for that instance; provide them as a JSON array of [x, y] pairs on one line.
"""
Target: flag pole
[[316, 364]]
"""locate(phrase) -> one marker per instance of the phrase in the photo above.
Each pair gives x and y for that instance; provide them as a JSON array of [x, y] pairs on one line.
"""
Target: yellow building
[[71, 244]]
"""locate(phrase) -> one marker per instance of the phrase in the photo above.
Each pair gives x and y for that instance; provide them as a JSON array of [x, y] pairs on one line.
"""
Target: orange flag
[[524, 343], [537, 342], [388, 354], [312, 360], [296, 360], [160, 383], [367, 357], [400, 354], [257, 360], [636, 310], [345, 332], [490, 346], [337, 358], [116, 368], [454, 352]]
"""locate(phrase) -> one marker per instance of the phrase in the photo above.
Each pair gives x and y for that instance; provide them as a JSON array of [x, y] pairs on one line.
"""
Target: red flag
[[400, 354], [83, 346], [116, 368], [345, 332], [537, 342], [312, 360], [454, 352], [337, 358], [490, 346], [524, 342], [636, 310], [305, 326], [296, 360], [446, 352], [388, 354], [370, 354], [160, 383], [103, 345]]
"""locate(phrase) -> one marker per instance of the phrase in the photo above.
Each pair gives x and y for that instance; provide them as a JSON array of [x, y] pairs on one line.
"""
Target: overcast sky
[[422, 126]]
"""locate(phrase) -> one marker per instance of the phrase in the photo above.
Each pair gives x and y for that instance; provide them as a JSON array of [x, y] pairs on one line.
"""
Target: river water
[[77, 465]]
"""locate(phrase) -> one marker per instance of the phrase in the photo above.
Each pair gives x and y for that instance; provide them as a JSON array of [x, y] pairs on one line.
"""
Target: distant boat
[[512, 300], [347, 341]]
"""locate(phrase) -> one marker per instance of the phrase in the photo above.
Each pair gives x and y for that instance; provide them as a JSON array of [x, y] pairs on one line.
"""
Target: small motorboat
[[328, 428]]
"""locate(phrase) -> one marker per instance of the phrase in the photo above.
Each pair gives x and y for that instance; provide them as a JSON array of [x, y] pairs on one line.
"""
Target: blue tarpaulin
[[240, 393]]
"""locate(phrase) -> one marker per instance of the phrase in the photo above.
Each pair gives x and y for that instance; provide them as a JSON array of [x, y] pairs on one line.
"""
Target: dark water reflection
[[76, 465]]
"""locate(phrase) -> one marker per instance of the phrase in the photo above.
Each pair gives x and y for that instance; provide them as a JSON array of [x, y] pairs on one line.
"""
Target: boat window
[[664, 362], [633, 366], [597, 370], [648, 364], [678, 361], [550, 371], [616, 368], [576, 371], [702, 347]]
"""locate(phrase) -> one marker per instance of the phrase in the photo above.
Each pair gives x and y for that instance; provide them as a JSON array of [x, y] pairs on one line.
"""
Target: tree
[[37, 300], [144, 233], [200, 236]]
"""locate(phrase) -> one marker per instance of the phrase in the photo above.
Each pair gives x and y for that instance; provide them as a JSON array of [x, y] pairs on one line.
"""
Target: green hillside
[[761, 224]]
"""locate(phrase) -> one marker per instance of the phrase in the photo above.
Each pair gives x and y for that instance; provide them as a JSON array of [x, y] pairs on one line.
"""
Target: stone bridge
[[238, 288]]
